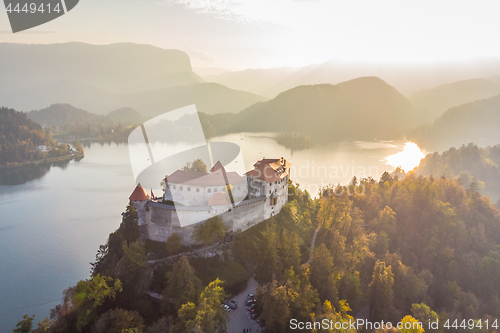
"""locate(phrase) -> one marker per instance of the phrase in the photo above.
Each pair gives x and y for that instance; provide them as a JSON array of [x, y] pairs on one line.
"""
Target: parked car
[[250, 302], [251, 307], [254, 316], [232, 304], [226, 307], [251, 296], [253, 311]]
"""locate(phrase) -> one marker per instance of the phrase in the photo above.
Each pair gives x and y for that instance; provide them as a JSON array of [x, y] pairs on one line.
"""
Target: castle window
[[209, 190], [181, 188], [174, 187], [197, 189], [215, 189], [189, 188]]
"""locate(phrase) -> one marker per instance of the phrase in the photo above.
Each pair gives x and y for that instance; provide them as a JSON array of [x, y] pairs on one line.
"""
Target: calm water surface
[[52, 225]]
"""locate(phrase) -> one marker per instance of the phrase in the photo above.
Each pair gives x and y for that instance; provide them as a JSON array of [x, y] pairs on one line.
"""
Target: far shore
[[43, 161]]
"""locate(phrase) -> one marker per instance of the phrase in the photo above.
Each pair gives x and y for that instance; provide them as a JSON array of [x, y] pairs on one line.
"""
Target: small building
[[43, 148]]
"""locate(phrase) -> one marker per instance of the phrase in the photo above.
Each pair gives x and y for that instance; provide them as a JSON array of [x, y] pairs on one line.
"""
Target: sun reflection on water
[[408, 159]]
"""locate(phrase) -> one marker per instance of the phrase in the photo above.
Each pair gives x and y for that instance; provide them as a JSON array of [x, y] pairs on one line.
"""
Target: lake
[[53, 222]]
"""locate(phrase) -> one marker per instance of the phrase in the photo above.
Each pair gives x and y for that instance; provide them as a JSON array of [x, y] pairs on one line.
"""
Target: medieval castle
[[190, 197]]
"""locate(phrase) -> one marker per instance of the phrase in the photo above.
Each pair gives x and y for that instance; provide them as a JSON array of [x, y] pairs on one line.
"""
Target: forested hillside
[[326, 113], [64, 119], [432, 103], [476, 122], [329, 113], [469, 164], [388, 249], [19, 136], [126, 116]]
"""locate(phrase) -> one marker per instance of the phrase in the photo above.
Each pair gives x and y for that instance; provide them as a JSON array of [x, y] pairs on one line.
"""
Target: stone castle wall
[[162, 220]]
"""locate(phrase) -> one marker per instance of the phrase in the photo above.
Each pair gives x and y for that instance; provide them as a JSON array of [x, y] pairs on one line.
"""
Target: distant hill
[[99, 78], [65, 119], [209, 98], [405, 77], [477, 122], [112, 67], [126, 116], [363, 108], [258, 81], [19, 136], [66, 116], [432, 103], [470, 164]]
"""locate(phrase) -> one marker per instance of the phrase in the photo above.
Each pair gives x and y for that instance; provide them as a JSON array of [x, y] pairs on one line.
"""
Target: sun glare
[[407, 159]]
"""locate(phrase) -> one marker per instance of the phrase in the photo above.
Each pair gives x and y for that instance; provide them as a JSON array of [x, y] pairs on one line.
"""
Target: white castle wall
[[189, 195], [162, 220]]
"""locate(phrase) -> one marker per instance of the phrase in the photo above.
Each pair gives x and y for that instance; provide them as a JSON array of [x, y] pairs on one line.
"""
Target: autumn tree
[[424, 314], [267, 263], [183, 285], [43, 326], [78, 146], [288, 249], [117, 321], [208, 316], [213, 230], [197, 165], [381, 294], [323, 276], [161, 326], [276, 306], [130, 270], [328, 312], [25, 325], [130, 224], [83, 303], [410, 325], [173, 244]]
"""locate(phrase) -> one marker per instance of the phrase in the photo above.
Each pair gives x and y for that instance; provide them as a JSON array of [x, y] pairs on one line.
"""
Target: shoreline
[[44, 161]]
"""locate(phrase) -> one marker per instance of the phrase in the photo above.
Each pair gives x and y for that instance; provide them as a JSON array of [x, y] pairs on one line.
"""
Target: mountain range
[[102, 78], [363, 109], [407, 78], [476, 122], [432, 103], [321, 101]]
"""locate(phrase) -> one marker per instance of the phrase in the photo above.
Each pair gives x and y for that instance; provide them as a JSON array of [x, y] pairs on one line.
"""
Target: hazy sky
[[240, 34]]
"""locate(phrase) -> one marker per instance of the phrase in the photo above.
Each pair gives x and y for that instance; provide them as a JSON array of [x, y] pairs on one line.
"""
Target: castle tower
[[139, 198]]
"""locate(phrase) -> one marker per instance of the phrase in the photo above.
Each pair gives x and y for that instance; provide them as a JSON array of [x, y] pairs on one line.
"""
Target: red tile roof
[[139, 194], [270, 170]]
